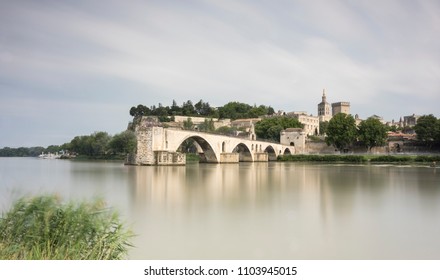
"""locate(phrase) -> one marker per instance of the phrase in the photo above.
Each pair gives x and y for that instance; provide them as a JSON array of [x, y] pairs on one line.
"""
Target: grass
[[43, 228]]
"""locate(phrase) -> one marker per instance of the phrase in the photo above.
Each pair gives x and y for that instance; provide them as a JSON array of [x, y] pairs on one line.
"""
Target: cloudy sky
[[70, 68]]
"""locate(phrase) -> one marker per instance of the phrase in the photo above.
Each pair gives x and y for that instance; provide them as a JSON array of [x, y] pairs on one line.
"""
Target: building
[[341, 107], [294, 137], [179, 120], [410, 120], [324, 109], [311, 123]]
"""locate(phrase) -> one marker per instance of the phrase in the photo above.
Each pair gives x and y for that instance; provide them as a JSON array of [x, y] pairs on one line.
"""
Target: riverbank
[[401, 159]]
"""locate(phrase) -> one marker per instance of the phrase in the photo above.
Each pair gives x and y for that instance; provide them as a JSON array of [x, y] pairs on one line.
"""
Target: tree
[[188, 109], [323, 127], [341, 131], [270, 128], [207, 126], [188, 124], [234, 110], [123, 143], [372, 133], [175, 110], [94, 145], [427, 129]]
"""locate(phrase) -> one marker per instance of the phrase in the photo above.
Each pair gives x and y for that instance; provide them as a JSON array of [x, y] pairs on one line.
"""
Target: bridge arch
[[244, 152], [271, 152], [204, 148], [287, 151]]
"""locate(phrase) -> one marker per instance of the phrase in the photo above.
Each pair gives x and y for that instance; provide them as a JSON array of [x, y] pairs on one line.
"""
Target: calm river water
[[251, 210]]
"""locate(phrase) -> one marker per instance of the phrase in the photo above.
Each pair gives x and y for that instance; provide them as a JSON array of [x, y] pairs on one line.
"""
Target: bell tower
[[324, 109]]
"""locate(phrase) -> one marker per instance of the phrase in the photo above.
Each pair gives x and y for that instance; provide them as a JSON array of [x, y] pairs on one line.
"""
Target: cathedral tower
[[324, 109]]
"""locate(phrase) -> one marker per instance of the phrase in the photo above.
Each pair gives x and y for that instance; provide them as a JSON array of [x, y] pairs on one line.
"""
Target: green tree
[[175, 110], [437, 134], [188, 124], [427, 129], [123, 143], [207, 126], [270, 128], [93, 145], [234, 110], [341, 131], [188, 109], [372, 133], [323, 127]]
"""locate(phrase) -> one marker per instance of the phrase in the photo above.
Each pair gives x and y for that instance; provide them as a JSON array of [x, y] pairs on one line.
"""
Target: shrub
[[391, 159], [324, 158], [44, 228], [427, 159]]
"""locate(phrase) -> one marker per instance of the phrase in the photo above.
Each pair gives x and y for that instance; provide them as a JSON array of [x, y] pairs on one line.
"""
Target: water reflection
[[253, 210], [283, 210]]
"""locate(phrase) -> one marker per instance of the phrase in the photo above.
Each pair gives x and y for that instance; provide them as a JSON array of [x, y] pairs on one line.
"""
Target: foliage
[[123, 143], [21, 152], [270, 128], [323, 127], [324, 158], [232, 110], [43, 228], [187, 146], [390, 158], [207, 126], [341, 131], [227, 130], [427, 159], [428, 129], [192, 157], [188, 124], [372, 133], [238, 110], [93, 145], [361, 158], [163, 112]]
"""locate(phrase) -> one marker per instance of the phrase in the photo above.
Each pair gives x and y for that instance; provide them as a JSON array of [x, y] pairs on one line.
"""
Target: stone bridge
[[157, 145]]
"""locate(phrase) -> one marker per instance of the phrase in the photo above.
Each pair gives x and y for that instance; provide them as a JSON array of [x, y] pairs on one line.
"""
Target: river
[[275, 210]]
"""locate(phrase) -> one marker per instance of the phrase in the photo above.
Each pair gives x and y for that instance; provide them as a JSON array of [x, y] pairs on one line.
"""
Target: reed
[[44, 228]]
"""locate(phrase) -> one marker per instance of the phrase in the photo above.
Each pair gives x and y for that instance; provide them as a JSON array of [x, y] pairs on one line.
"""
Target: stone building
[[311, 123], [324, 109], [341, 107], [410, 120], [294, 137], [179, 120]]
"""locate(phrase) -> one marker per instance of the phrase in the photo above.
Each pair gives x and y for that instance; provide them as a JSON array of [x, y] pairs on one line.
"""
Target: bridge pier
[[229, 158], [261, 157]]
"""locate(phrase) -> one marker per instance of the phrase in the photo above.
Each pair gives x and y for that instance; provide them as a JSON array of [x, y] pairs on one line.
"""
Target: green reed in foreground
[[44, 228]]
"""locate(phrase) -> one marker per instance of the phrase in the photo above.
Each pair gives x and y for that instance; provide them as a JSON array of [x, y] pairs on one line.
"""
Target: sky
[[70, 68]]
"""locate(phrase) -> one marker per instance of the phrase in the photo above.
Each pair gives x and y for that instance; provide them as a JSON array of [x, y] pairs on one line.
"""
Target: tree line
[[231, 110], [96, 145], [341, 132]]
